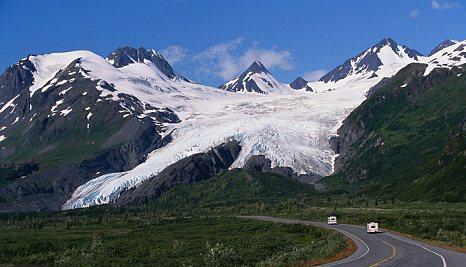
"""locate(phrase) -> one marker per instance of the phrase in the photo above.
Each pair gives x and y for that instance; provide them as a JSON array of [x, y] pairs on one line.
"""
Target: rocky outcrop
[[300, 83], [125, 55], [444, 44], [259, 163], [194, 168]]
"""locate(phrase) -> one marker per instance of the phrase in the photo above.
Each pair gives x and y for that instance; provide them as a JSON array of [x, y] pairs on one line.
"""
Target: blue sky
[[211, 41]]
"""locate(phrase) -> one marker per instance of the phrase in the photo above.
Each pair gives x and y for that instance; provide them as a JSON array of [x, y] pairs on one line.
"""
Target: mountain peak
[[257, 67], [445, 43], [256, 79], [386, 41], [300, 83], [126, 55], [369, 62]]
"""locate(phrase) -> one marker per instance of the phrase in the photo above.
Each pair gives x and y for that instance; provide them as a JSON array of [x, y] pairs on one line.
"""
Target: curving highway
[[383, 249]]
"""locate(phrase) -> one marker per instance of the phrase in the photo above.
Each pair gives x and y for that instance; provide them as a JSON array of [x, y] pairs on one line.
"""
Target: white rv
[[372, 227], [332, 220]]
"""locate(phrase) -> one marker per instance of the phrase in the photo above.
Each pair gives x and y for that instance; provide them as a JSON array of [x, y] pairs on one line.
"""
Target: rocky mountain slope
[[444, 44], [194, 168], [62, 123]]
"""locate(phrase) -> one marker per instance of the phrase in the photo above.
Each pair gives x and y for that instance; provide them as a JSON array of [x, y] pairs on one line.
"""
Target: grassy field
[[141, 238]]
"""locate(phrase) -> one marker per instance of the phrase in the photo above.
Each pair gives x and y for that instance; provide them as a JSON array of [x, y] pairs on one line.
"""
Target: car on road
[[372, 227], [332, 220]]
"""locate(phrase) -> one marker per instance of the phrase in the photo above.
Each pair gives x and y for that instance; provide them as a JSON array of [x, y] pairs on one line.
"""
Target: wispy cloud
[[314, 75], [414, 14], [226, 60], [174, 54], [439, 5]]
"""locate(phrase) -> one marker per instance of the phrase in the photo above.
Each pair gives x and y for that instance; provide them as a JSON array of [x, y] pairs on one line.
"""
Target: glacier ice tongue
[[291, 129]]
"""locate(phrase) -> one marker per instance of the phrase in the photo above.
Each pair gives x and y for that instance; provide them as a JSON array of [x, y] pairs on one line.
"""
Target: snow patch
[[9, 104], [65, 91], [65, 111], [59, 102]]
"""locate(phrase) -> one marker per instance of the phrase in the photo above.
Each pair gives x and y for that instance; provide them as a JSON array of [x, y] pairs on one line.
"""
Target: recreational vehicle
[[332, 220], [372, 227]]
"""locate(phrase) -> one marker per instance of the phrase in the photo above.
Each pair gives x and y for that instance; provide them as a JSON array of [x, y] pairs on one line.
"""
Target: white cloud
[[314, 75], [414, 14], [226, 61], [174, 54], [439, 5], [218, 59], [271, 58]]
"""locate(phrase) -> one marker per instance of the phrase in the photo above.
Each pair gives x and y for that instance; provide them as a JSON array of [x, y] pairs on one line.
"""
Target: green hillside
[[235, 188], [413, 144]]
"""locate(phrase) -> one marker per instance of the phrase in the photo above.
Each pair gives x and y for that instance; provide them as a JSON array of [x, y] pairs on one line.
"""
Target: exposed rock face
[[255, 79], [442, 45], [191, 169], [259, 163], [124, 56], [300, 83], [244, 83], [369, 60]]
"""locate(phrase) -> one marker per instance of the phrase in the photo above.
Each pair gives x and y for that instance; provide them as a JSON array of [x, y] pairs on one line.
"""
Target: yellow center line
[[387, 259]]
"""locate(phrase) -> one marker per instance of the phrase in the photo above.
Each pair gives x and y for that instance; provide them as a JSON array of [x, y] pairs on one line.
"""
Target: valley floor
[[195, 225], [144, 239]]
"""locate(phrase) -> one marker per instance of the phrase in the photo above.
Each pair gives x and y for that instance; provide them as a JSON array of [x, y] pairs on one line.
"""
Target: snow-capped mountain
[[77, 107], [448, 57], [124, 56], [256, 79], [301, 84], [445, 43], [115, 123], [381, 60]]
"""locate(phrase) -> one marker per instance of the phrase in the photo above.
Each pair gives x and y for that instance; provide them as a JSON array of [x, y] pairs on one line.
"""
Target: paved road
[[384, 249]]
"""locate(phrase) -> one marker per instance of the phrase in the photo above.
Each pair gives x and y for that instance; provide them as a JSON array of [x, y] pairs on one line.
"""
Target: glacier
[[290, 127]]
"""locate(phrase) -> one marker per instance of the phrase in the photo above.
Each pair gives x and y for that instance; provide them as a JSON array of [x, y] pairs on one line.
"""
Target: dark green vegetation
[[412, 142], [141, 238], [240, 192], [72, 147], [234, 189], [441, 224], [192, 224]]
